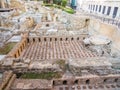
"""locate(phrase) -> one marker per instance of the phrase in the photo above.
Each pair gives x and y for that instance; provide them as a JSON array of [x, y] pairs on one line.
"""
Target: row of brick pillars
[[20, 48]]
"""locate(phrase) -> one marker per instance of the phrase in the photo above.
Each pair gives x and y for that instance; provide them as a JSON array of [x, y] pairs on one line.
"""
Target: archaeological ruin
[[43, 46]]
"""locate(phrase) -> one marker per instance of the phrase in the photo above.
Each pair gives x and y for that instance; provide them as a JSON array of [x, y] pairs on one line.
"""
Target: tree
[[64, 3], [58, 2], [46, 1]]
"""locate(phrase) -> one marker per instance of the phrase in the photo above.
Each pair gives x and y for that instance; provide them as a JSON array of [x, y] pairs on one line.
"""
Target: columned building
[[108, 8]]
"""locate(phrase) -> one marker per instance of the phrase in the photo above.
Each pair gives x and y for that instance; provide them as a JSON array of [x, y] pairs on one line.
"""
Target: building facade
[[73, 3], [108, 8]]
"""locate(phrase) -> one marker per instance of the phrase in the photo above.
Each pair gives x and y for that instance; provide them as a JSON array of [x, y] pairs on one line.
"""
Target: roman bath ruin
[[44, 46]]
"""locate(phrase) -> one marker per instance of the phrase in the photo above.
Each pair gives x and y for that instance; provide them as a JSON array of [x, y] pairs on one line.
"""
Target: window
[[89, 7], [104, 7], [100, 8], [108, 11], [115, 12], [96, 7], [93, 7]]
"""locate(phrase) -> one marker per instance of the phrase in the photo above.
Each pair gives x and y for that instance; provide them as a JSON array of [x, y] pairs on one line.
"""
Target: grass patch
[[44, 75], [7, 48], [66, 9], [61, 64]]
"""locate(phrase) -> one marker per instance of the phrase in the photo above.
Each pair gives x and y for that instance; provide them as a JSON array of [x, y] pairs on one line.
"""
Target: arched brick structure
[[88, 81]]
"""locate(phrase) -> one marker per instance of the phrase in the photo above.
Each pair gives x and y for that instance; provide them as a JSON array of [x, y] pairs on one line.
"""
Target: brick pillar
[[16, 54]]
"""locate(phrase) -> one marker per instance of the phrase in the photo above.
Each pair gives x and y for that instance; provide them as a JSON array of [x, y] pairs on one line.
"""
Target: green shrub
[[61, 64], [68, 10]]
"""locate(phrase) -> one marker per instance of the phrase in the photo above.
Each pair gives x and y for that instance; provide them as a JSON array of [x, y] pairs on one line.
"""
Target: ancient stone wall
[[54, 38], [7, 80], [88, 80], [19, 47], [98, 28]]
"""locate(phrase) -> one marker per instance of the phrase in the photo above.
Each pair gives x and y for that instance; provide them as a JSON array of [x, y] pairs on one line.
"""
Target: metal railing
[[106, 20]]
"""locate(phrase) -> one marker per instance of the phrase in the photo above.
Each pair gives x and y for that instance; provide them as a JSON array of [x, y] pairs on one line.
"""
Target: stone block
[[94, 65], [20, 86], [27, 61], [27, 86], [8, 63], [16, 60], [20, 65], [44, 65]]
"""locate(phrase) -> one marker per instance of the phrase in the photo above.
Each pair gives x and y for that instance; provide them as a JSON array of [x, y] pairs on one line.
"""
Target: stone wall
[[19, 47], [88, 80], [7, 80], [54, 38], [98, 28]]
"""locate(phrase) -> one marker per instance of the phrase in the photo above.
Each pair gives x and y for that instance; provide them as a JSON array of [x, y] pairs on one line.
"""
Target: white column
[[118, 13], [106, 10], [111, 12]]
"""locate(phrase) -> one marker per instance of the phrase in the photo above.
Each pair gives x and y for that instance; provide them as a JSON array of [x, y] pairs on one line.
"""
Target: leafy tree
[[58, 2], [64, 3], [45, 1]]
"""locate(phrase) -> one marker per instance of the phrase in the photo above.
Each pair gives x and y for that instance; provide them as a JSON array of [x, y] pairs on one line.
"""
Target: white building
[[109, 8]]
